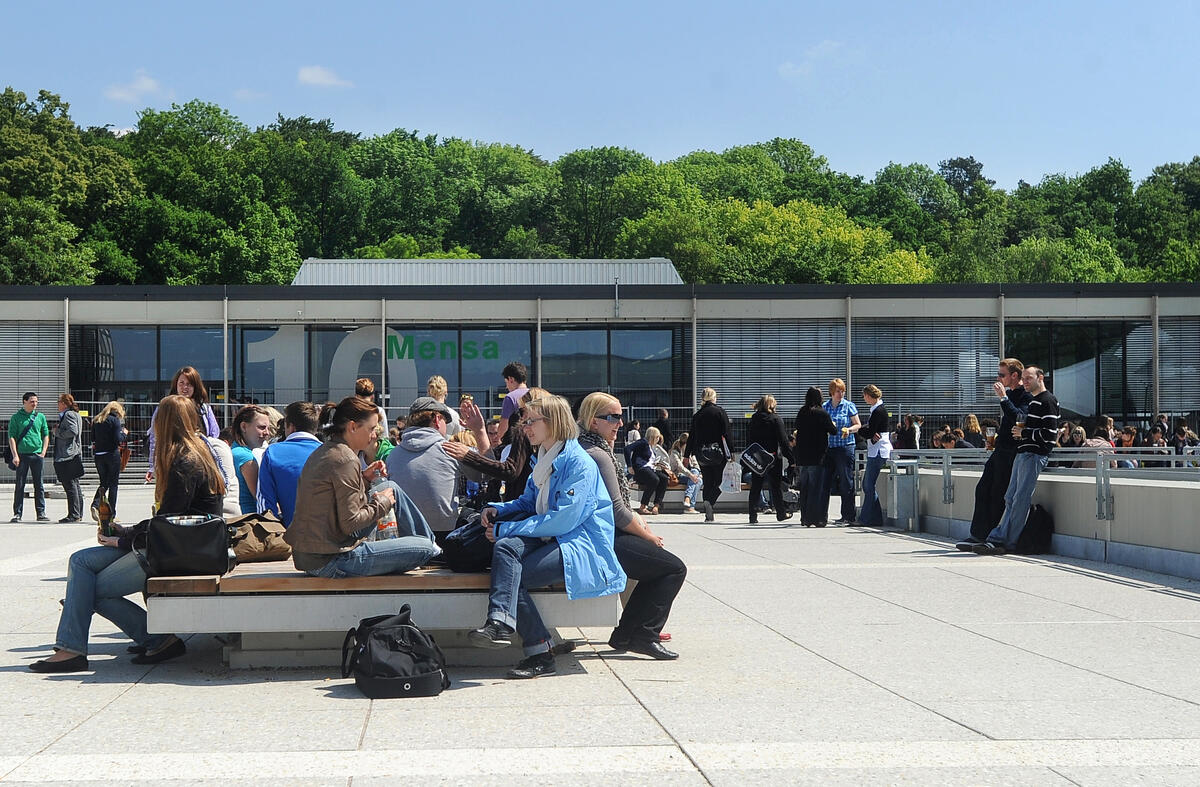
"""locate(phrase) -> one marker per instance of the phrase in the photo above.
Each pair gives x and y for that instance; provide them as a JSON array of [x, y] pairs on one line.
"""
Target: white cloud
[[813, 56], [246, 94], [142, 85], [320, 76]]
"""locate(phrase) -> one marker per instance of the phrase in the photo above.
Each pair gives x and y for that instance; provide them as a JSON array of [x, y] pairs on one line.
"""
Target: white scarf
[[541, 473]]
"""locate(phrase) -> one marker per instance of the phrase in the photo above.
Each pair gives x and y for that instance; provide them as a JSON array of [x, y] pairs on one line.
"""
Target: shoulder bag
[[757, 459], [258, 538], [713, 453], [184, 545]]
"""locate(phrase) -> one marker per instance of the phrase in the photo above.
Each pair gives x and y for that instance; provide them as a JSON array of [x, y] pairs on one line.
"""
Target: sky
[[1027, 88]]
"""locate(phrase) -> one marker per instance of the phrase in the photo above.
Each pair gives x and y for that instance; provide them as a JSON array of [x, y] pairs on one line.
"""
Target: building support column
[[225, 358], [1156, 360], [67, 345], [537, 345], [1000, 324], [849, 330], [385, 396], [695, 353]]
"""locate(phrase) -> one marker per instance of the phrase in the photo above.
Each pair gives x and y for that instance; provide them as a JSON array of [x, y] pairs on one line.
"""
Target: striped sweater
[[1041, 425]]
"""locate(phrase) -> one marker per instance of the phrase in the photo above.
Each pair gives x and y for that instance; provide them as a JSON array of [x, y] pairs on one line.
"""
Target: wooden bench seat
[[286, 618]]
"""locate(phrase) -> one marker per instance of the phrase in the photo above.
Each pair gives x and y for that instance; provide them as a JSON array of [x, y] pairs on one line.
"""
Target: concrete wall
[[1154, 526]]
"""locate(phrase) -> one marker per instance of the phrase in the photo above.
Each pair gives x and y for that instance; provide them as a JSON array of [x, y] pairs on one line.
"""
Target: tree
[[965, 176], [590, 213], [37, 245]]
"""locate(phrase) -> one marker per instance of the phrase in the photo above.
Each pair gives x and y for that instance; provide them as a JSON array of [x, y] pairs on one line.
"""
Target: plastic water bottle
[[386, 526]]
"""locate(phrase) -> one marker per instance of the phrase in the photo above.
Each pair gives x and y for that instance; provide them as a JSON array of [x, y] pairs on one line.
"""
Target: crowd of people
[[357, 501]]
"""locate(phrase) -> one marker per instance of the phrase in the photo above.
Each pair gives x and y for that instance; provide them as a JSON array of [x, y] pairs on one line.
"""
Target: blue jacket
[[279, 474], [580, 517]]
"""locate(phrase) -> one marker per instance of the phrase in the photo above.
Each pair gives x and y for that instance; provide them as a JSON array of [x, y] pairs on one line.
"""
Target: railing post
[[947, 477]]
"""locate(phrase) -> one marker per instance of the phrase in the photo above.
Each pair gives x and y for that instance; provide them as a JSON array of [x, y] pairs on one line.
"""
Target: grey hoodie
[[429, 476]]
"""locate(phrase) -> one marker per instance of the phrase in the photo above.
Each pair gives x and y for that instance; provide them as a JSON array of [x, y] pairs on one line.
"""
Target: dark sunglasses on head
[[612, 418]]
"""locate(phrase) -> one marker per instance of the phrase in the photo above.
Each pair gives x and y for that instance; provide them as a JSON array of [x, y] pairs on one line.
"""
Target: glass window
[[485, 352], [323, 345], [641, 359], [108, 362], [574, 361], [198, 347]]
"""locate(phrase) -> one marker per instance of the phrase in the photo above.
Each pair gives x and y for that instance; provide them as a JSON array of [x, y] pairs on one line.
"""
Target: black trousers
[[659, 575], [108, 467], [712, 481], [653, 483], [773, 478], [989, 493]]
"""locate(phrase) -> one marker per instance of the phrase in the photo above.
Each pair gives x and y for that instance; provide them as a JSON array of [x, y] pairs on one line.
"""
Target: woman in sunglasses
[[659, 573], [559, 530]]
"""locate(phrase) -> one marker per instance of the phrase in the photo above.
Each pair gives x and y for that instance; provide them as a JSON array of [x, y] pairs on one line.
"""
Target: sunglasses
[[612, 418]]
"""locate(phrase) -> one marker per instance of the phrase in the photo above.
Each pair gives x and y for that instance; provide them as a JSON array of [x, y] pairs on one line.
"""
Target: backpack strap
[[349, 653]]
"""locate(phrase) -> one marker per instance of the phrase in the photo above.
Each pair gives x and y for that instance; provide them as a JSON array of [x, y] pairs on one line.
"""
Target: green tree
[[37, 245], [591, 214]]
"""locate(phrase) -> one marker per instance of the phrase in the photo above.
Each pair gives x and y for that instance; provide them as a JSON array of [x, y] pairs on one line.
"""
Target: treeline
[[194, 196]]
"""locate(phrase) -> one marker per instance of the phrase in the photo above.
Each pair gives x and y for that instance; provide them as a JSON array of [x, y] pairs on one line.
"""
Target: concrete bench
[[286, 618]]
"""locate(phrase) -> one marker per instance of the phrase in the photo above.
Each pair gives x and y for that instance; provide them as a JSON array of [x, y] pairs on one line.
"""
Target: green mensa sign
[[403, 347]]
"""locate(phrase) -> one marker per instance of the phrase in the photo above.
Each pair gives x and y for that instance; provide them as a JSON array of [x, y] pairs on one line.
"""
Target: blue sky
[[1027, 88]]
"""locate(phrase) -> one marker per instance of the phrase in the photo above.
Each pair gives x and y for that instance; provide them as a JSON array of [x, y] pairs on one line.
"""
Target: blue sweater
[[279, 474]]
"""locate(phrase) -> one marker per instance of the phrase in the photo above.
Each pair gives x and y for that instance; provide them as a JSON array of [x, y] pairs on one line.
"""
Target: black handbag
[[713, 453], [184, 545], [466, 548], [390, 657], [69, 469], [757, 459]]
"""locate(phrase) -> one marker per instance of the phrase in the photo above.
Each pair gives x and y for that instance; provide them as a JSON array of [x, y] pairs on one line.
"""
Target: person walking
[[708, 441], [28, 439], [108, 436], [879, 448], [839, 459], [68, 456], [766, 429]]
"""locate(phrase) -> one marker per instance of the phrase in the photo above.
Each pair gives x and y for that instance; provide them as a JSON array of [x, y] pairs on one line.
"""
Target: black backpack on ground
[[390, 657], [1038, 533]]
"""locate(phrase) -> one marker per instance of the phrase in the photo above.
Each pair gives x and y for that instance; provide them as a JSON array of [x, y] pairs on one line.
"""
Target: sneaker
[[492, 634], [989, 548], [689, 510], [968, 544], [43, 518], [16, 518], [534, 667]]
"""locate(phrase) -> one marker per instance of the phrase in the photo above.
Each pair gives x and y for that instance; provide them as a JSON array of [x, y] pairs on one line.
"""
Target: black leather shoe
[[171, 651], [492, 634], [654, 650], [784, 517], [534, 667], [76, 664], [754, 519], [136, 650]]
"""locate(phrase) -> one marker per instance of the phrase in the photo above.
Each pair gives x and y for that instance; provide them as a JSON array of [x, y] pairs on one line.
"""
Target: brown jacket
[[331, 504]]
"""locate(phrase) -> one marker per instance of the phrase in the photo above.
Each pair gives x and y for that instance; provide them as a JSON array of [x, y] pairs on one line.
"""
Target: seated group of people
[[557, 511]]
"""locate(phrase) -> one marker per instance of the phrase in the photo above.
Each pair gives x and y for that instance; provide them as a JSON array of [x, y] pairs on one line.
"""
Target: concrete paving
[[833, 656]]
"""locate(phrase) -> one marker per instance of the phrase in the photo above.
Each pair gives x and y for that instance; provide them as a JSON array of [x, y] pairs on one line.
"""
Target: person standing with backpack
[[28, 441], [1036, 435]]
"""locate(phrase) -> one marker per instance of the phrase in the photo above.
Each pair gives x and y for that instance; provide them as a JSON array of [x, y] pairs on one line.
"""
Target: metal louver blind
[[927, 366], [1138, 359], [31, 359], [744, 359], [1179, 365]]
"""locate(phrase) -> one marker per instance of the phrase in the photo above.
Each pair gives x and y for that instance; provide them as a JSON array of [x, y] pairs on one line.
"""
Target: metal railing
[[1101, 463]]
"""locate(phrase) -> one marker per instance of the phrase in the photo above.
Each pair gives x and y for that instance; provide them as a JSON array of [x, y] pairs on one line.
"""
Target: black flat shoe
[[654, 650], [165, 653], [534, 667], [784, 517], [76, 664], [136, 650], [618, 643]]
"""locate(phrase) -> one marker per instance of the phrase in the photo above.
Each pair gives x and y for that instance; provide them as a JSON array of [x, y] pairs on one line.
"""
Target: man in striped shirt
[[1034, 442]]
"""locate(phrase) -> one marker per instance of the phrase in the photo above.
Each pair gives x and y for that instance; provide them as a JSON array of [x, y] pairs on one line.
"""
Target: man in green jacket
[[29, 453]]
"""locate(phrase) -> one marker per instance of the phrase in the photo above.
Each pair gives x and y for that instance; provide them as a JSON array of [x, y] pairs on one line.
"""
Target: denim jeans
[[376, 558], [839, 471], [409, 519], [692, 488], [30, 463], [98, 580], [1018, 498], [108, 467], [871, 512], [519, 563], [810, 482]]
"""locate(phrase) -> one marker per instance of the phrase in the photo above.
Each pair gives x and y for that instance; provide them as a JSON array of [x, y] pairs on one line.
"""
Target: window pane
[[198, 347], [485, 353], [574, 361], [641, 359], [115, 362]]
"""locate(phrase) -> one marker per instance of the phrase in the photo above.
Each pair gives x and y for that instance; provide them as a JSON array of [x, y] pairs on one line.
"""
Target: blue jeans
[[871, 512], [98, 580], [409, 519], [1018, 498], [692, 488], [375, 558], [30, 463], [519, 563], [810, 483], [839, 470]]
